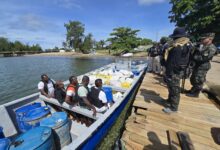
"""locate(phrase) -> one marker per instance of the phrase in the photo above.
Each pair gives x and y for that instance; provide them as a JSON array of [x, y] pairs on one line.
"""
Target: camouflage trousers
[[198, 76], [173, 84], [197, 79]]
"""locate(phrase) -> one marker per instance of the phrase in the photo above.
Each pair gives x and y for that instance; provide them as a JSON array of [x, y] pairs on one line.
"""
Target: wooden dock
[[147, 126]]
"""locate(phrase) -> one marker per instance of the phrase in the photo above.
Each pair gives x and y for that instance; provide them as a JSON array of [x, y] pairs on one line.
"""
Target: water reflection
[[19, 75]]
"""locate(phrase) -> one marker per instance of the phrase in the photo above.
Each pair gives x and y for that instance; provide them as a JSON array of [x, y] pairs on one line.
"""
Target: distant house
[[62, 51]]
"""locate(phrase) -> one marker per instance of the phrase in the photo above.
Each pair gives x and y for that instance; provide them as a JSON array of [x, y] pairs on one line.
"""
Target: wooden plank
[[208, 118], [173, 140], [196, 116], [182, 108], [185, 141], [160, 130], [189, 121], [152, 98]]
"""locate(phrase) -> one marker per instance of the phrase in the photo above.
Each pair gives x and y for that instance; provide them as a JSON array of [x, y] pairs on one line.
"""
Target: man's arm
[[86, 101], [44, 93]]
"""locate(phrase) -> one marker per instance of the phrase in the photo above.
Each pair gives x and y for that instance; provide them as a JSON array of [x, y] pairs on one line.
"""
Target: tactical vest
[[94, 95]]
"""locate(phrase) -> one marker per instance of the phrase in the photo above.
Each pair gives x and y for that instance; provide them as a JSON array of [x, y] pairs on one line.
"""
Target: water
[[19, 76]]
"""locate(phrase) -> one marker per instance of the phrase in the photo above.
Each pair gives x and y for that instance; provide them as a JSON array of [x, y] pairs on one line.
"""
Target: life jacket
[[46, 87], [94, 97], [75, 98]]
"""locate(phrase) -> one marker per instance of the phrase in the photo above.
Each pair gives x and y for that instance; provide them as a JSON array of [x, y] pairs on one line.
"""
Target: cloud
[[30, 22], [67, 3], [149, 2]]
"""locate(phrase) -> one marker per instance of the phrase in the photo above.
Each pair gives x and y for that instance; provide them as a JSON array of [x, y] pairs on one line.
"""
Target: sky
[[42, 21]]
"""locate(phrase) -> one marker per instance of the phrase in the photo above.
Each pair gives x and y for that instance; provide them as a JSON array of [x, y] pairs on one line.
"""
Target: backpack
[[182, 57]]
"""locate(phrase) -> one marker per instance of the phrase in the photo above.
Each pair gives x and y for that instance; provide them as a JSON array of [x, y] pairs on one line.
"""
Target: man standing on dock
[[177, 58], [202, 57]]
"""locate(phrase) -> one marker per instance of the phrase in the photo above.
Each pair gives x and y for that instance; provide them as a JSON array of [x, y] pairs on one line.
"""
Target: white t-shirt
[[49, 85], [82, 91], [102, 97]]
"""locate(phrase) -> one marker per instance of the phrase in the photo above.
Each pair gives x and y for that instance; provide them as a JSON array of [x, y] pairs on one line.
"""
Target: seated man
[[46, 86], [98, 96], [83, 93], [59, 92], [71, 97]]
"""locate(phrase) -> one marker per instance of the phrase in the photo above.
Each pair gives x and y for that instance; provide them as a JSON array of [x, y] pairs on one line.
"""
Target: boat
[[82, 136]]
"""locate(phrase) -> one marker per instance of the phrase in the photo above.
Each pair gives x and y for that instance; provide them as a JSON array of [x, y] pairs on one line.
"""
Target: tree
[[75, 34], [100, 44], [87, 43], [35, 47], [64, 45], [4, 44], [198, 16], [123, 39], [145, 41], [18, 46]]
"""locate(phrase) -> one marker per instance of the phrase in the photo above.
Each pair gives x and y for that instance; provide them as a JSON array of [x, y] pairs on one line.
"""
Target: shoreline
[[80, 55]]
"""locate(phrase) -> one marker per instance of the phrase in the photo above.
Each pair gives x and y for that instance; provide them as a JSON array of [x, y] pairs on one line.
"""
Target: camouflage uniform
[[202, 59]]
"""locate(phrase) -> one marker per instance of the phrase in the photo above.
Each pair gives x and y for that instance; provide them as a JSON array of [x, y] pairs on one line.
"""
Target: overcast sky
[[42, 21]]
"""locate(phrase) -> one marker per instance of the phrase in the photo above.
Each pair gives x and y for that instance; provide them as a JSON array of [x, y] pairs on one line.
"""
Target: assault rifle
[[188, 70]]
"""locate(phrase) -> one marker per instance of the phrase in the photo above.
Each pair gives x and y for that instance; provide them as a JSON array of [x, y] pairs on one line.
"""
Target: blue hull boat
[[83, 135]]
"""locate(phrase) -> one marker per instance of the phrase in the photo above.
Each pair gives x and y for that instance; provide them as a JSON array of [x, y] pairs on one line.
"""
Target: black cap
[[178, 33]]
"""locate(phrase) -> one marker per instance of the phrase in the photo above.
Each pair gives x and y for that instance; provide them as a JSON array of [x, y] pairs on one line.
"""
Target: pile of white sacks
[[121, 78]]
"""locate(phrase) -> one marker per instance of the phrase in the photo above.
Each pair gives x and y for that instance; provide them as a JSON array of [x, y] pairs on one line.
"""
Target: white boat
[[83, 137]]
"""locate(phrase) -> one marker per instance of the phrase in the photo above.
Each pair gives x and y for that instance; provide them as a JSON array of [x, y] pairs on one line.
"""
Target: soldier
[[202, 57], [154, 59], [177, 58]]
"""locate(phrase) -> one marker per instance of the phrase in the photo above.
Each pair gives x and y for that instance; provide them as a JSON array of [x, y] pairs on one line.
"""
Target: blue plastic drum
[[4, 143], [108, 93], [32, 118], [39, 138], [1, 133], [60, 124], [22, 111]]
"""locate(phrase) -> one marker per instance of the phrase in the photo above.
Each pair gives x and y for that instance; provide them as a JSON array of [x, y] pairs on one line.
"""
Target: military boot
[[193, 93]]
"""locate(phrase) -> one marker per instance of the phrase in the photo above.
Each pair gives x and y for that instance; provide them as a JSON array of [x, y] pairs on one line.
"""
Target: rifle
[[189, 67], [186, 74]]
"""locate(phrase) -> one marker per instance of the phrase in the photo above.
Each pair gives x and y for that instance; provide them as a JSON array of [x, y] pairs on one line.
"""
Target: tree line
[[198, 16], [6, 46], [122, 39]]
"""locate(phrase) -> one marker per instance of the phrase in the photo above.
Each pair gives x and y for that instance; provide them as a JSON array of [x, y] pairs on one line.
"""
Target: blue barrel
[[108, 93], [39, 138], [1, 133], [32, 118], [61, 127], [134, 68], [22, 111], [4, 143]]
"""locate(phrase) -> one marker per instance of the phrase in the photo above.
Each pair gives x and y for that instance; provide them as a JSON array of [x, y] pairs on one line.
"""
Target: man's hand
[[94, 112]]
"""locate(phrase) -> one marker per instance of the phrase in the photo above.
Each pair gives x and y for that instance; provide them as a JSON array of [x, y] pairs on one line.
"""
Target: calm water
[[19, 76]]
